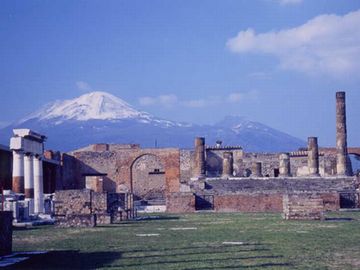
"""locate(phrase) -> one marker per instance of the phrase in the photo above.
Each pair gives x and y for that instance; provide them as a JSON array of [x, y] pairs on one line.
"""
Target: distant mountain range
[[99, 117]]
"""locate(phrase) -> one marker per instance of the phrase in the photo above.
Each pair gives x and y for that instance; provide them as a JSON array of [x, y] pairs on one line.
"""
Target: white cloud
[[235, 97], [328, 44], [290, 2], [171, 100], [238, 97], [83, 86], [163, 100], [146, 101]]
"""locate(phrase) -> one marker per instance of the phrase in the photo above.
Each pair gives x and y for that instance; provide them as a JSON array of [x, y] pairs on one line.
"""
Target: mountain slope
[[101, 117]]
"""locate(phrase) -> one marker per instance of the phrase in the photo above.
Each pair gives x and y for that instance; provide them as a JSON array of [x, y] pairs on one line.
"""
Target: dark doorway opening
[[276, 172], [348, 200], [204, 202]]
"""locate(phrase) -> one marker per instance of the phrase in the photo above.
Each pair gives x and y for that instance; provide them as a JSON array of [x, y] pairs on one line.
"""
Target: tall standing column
[[284, 166], [38, 185], [28, 177], [313, 156], [257, 169], [228, 164], [341, 135], [199, 168], [18, 172]]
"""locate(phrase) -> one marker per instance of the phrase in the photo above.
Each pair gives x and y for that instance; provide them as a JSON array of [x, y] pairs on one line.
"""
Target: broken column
[[313, 156], [257, 169], [341, 135], [228, 165], [38, 185], [18, 171], [284, 166], [199, 162]]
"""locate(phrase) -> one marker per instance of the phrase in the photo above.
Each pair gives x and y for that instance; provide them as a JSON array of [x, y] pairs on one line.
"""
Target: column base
[[29, 193], [18, 184]]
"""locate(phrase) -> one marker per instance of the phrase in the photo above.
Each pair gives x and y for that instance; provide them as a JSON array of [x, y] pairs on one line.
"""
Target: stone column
[[228, 165], [199, 166], [38, 185], [18, 172], [28, 177], [313, 156], [284, 167], [341, 135], [257, 169]]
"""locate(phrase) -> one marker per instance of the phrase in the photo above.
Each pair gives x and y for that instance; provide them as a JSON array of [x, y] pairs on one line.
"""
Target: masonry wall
[[256, 202], [180, 202], [303, 206], [5, 232], [81, 208], [117, 163]]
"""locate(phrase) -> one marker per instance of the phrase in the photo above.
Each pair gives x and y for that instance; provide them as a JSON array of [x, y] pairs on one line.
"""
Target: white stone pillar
[[28, 177], [18, 172], [38, 185], [29, 182]]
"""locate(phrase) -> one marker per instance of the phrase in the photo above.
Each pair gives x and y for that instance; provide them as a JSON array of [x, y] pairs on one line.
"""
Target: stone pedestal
[[313, 156]]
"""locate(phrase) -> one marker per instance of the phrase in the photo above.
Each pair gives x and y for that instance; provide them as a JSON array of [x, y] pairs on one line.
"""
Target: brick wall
[[180, 202], [117, 163], [303, 206], [257, 202]]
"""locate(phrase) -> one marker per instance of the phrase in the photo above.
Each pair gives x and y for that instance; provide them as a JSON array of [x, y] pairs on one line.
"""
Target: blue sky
[[278, 62]]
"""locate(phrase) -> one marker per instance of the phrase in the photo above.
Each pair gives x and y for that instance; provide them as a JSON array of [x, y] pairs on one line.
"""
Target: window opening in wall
[[276, 172], [156, 171]]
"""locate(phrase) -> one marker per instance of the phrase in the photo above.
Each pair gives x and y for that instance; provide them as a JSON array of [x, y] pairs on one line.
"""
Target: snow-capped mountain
[[99, 117], [92, 106]]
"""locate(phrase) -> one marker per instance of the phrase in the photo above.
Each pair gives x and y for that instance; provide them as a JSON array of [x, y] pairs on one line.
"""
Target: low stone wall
[[331, 201], [82, 220], [180, 202], [303, 206], [5, 232], [257, 202], [85, 208]]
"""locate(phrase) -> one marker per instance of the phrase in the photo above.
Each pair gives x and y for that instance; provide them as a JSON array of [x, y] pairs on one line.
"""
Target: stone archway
[[148, 178]]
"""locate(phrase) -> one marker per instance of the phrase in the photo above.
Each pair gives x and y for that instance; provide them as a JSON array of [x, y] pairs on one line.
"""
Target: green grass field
[[199, 241]]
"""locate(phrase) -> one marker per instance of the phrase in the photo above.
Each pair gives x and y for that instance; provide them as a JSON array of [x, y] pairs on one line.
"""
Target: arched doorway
[[148, 179]]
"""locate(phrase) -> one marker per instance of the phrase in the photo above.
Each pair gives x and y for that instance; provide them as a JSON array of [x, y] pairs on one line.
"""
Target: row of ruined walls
[[243, 163], [175, 166]]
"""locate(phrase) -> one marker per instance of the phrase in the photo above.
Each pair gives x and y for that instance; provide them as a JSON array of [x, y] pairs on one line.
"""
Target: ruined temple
[[217, 178]]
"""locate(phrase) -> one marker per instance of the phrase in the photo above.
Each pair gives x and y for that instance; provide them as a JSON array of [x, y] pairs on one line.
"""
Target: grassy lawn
[[199, 241]]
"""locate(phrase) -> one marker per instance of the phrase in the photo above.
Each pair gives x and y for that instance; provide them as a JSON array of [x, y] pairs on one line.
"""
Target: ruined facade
[[219, 178]]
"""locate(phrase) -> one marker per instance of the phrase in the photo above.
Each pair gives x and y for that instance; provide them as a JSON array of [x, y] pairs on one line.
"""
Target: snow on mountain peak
[[91, 106]]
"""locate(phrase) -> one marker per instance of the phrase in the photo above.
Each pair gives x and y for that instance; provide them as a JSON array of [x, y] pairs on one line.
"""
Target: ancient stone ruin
[[105, 183]]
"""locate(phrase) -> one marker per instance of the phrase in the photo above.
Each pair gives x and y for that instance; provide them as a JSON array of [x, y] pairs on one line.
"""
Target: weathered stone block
[[6, 218], [180, 202], [303, 206]]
